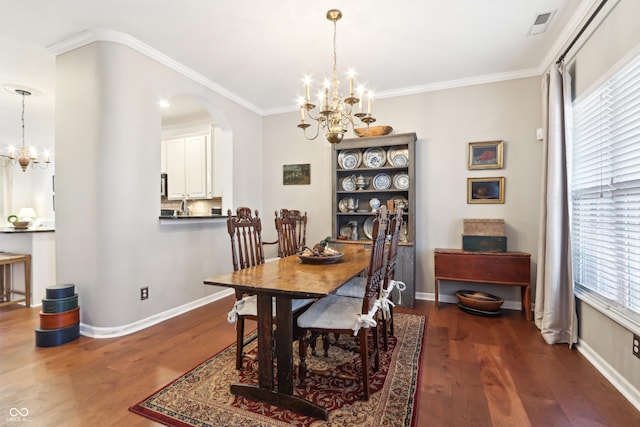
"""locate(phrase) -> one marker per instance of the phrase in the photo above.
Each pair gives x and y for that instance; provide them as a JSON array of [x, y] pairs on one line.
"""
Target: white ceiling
[[260, 50]]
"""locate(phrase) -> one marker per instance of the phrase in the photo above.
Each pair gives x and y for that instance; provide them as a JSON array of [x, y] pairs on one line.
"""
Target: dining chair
[[356, 287], [245, 232], [335, 314], [291, 229]]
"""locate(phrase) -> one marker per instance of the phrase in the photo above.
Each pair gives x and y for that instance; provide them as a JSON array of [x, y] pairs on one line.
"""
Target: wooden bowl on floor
[[479, 300]]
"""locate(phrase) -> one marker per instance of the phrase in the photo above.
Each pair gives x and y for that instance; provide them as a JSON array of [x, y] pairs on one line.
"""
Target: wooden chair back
[[287, 236], [245, 232], [394, 234], [301, 226], [376, 269]]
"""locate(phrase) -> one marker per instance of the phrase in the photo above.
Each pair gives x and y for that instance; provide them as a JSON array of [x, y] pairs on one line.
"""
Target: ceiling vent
[[541, 22]]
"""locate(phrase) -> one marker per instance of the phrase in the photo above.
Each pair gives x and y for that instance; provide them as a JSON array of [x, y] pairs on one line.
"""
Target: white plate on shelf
[[382, 181], [374, 157], [394, 152], [399, 160], [349, 184], [350, 159], [401, 181]]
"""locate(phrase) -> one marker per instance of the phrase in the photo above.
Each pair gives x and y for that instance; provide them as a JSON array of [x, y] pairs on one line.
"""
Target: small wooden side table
[[499, 268], [6, 291]]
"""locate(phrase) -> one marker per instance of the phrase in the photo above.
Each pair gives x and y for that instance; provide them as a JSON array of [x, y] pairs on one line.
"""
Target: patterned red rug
[[201, 397]]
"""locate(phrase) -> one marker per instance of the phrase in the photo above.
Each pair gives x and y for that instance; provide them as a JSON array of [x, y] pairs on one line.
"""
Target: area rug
[[201, 397]]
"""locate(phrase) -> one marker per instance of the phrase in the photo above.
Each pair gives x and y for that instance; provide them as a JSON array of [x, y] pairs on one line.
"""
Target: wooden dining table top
[[290, 276]]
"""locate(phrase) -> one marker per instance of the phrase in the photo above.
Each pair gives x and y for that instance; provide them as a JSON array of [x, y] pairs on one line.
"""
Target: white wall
[[445, 122], [109, 241]]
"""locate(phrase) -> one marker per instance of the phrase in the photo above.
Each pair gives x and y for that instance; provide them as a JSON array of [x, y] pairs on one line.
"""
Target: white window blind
[[605, 191]]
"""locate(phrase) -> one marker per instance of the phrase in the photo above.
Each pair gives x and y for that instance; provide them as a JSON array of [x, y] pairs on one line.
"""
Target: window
[[605, 192]]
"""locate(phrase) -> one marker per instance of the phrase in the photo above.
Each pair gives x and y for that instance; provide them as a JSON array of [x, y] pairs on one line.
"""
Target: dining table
[[282, 281]]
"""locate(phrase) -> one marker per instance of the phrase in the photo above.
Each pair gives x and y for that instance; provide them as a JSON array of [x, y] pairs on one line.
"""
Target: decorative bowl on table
[[20, 224], [323, 259], [480, 301]]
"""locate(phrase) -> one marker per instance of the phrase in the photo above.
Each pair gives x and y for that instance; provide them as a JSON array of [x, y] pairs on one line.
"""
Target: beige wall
[[109, 240], [445, 122]]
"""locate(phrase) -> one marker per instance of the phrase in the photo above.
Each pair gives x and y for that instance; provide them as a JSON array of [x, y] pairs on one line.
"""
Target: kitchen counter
[[26, 230], [188, 217], [191, 219]]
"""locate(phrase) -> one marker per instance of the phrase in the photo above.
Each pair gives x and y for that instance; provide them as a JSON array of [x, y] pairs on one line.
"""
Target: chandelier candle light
[[26, 156], [336, 113]]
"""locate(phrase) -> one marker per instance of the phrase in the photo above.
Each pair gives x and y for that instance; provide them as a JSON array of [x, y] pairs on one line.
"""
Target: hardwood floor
[[476, 371]]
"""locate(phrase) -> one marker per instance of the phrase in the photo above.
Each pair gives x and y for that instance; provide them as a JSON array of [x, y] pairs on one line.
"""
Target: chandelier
[[27, 156], [336, 113]]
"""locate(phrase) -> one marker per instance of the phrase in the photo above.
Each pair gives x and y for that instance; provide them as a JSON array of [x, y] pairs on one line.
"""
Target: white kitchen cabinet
[[188, 161]]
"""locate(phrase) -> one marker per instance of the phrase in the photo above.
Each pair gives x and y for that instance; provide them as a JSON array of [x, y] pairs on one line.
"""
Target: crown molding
[[432, 87], [90, 36]]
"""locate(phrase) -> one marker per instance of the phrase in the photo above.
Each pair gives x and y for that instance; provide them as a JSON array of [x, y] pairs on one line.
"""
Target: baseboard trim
[[508, 305], [621, 384], [100, 332]]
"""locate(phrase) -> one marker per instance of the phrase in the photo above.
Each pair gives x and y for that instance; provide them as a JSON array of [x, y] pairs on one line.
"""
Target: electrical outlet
[[636, 346], [144, 293]]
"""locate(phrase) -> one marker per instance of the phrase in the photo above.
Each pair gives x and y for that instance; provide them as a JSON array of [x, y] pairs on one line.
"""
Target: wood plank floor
[[477, 371]]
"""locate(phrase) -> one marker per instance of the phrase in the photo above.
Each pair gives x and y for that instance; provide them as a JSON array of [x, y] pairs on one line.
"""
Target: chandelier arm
[[314, 136]]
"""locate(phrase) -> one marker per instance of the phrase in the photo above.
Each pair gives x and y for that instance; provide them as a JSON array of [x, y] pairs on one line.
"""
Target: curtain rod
[[582, 30]]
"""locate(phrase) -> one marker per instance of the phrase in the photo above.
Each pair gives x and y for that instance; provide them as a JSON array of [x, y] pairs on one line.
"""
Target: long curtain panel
[[555, 313]]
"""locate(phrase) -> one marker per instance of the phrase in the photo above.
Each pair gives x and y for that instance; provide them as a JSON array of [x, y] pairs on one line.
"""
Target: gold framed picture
[[485, 155], [485, 190]]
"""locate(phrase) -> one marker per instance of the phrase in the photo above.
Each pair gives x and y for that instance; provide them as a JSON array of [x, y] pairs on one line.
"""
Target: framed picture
[[485, 190], [296, 174], [485, 155]]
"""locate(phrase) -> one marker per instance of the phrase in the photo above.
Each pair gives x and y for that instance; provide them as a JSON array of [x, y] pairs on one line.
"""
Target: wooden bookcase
[[359, 214]]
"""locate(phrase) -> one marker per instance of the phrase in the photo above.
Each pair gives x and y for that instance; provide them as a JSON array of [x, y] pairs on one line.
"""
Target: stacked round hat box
[[59, 318]]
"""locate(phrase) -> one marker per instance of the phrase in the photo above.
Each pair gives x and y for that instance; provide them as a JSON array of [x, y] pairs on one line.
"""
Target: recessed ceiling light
[[164, 104]]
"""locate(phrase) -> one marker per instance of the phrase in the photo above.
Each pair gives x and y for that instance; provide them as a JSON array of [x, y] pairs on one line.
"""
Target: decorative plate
[[330, 259], [382, 181], [374, 157], [401, 181], [368, 227], [350, 159], [393, 152], [349, 184], [399, 160], [343, 205]]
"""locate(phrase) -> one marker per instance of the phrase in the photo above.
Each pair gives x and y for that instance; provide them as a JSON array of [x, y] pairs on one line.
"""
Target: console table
[[499, 268], [6, 262]]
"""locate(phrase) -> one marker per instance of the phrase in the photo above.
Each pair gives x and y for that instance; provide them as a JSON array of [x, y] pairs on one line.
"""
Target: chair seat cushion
[[353, 288], [331, 312], [249, 306]]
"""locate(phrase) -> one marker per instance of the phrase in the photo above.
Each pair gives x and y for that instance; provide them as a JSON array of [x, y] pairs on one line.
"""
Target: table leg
[[437, 300], [264, 392], [284, 342], [265, 340]]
